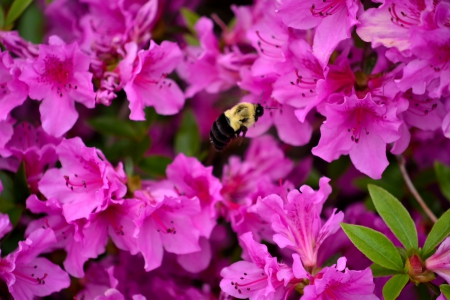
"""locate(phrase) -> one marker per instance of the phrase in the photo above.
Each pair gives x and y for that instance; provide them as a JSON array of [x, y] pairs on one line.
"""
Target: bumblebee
[[233, 122]]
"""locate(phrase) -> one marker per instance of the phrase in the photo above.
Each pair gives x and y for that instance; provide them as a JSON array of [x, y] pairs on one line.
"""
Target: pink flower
[[143, 76], [27, 275], [336, 282], [191, 179], [296, 220], [5, 224], [430, 71], [35, 149], [361, 128], [257, 279], [59, 76], [13, 92], [5, 135], [333, 21], [439, 262], [84, 183], [165, 221]]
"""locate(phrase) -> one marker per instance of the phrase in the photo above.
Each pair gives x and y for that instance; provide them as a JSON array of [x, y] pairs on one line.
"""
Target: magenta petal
[[297, 14], [290, 129], [369, 156], [58, 115], [197, 261], [297, 267], [150, 244]]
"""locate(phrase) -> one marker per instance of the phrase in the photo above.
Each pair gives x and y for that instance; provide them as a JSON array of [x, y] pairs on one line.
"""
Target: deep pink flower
[[27, 275], [296, 220], [5, 135], [59, 77], [333, 21], [191, 179], [165, 221], [361, 128], [256, 279], [143, 76], [85, 182], [439, 262]]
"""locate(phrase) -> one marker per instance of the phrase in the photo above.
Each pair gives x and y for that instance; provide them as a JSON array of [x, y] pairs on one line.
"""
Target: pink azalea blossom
[[28, 275], [257, 279], [143, 76], [191, 179], [35, 149], [13, 92], [5, 135], [430, 71], [439, 262], [296, 220], [333, 21], [59, 77], [336, 282], [5, 224], [166, 220], [361, 128], [85, 182]]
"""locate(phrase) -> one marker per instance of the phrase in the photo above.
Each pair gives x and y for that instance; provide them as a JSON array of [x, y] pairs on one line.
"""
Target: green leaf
[[378, 248], [2, 16], [443, 177], [445, 289], [155, 165], [395, 215], [437, 234], [190, 18], [21, 190], [110, 125], [16, 10], [379, 271], [31, 24], [394, 286], [191, 40], [187, 139], [332, 260]]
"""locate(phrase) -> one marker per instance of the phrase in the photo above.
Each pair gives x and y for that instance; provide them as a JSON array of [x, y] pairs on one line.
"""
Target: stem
[[412, 189]]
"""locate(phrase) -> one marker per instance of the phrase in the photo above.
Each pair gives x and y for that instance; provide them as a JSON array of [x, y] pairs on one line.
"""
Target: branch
[[412, 189]]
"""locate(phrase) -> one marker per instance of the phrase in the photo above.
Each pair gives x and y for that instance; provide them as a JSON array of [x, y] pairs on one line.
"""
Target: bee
[[233, 122]]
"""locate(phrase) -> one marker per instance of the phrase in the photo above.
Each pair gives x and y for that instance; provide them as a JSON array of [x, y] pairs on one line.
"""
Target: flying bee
[[233, 122]]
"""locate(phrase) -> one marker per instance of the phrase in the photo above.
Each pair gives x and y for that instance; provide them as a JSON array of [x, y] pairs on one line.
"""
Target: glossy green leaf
[[155, 165], [379, 271], [438, 233], [395, 215], [394, 286], [445, 289], [378, 248], [443, 177], [190, 18], [110, 125], [21, 189], [191, 40], [31, 24], [187, 139], [16, 9]]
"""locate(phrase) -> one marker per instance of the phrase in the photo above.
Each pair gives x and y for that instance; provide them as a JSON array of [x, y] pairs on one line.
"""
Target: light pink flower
[[59, 77], [296, 220], [85, 182], [361, 128], [165, 221], [13, 92], [191, 179], [143, 76], [333, 21], [255, 279], [27, 275], [439, 262]]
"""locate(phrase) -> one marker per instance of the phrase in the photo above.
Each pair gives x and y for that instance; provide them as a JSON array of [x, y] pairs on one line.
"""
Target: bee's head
[[259, 110]]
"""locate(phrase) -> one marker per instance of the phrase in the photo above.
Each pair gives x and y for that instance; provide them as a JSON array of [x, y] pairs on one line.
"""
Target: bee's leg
[[243, 129]]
